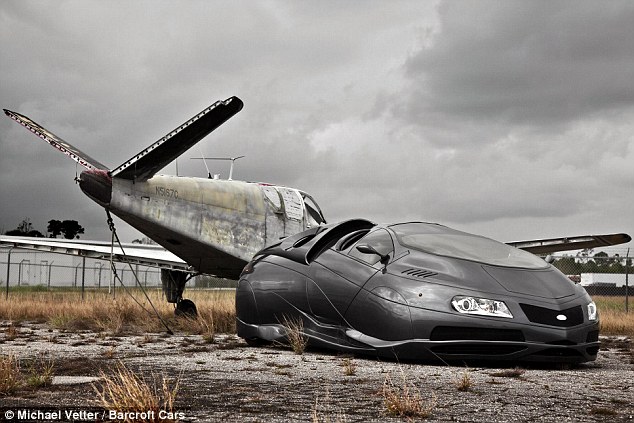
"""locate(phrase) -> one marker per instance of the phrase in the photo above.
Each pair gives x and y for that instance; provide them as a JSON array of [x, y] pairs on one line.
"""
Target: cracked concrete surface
[[227, 380]]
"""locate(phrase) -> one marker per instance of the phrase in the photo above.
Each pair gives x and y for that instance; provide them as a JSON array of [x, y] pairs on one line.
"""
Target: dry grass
[[613, 318], [64, 310], [141, 401], [616, 322], [614, 303], [207, 326], [464, 382], [10, 376], [110, 353], [405, 400], [349, 367], [295, 334]]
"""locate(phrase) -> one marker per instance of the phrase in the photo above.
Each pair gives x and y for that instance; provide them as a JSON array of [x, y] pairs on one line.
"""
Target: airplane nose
[[97, 184]]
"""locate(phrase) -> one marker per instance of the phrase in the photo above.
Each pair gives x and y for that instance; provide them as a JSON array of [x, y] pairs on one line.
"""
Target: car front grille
[[546, 316]]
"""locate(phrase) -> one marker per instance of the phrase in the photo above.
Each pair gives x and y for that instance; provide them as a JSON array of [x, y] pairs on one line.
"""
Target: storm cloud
[[509, 119]]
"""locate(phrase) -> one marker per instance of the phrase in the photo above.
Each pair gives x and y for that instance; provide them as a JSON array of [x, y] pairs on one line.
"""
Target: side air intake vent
[[419, 273]]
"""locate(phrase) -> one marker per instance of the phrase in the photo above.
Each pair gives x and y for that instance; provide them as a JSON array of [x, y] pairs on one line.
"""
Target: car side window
[[380, 240]]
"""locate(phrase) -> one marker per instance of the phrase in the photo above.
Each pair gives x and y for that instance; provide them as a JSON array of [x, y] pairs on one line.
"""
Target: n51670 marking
[[166, 192]]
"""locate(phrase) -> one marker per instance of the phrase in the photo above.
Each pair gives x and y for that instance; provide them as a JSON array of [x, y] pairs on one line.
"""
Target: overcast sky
[[514, 120]]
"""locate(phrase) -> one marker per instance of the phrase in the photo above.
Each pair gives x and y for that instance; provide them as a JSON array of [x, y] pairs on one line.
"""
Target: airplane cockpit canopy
[[294, 204], [312, 212]]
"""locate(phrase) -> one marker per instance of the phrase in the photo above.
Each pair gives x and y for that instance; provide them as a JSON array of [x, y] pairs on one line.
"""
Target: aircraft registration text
[[166, 192]]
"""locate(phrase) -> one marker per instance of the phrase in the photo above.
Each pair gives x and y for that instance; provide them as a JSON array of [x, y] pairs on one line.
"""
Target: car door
[[378, 310], [338, 274]]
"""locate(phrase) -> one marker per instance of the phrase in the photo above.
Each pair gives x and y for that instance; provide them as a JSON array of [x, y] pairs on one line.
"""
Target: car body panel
[[397, 301]]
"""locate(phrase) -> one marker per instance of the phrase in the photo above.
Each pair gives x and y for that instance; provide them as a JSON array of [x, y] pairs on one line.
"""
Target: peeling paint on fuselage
[[204, 221]]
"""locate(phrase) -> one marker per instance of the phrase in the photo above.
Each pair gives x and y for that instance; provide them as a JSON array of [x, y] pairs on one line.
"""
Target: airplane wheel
[[186, 308]]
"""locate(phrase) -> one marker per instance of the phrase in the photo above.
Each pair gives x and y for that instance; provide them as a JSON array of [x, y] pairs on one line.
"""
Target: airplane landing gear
[[173, 282], [186, 308]]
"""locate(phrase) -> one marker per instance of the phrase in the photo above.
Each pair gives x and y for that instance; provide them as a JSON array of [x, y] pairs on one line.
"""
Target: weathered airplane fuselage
[[214, 225]]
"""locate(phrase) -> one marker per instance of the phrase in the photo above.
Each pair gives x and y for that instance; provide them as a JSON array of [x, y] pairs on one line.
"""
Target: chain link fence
[[27, 268], [35, 268], [601, 275]]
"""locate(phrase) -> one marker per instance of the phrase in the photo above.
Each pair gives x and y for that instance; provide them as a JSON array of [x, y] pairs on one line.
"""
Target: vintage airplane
[[211, 226], [215, 226]]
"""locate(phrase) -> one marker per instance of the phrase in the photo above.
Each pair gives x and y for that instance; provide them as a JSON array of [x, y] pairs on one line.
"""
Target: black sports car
[[416, 291]]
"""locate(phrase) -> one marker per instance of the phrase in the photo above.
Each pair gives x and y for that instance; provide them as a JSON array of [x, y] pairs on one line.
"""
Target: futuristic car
[[416, 291]]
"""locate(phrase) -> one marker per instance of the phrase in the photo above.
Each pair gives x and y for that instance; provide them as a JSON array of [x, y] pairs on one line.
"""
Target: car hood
[[548, 283]]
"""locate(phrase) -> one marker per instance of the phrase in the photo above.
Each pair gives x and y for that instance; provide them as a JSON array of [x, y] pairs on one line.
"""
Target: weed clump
[[40, 373], [12, 377], [139, 400], [295, 334], [405, 400], [349, 367], [464, 383], [9, 374]]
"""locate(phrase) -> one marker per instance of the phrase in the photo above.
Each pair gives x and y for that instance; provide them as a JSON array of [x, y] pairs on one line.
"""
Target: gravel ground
[[227, 380]]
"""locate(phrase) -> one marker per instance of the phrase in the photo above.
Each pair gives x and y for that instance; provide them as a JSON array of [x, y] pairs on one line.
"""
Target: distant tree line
[[70, 229], [586, 262], [25, 228]]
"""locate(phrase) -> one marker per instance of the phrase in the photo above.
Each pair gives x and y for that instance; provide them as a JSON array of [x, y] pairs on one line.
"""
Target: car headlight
[[592, 312], [480, 307]]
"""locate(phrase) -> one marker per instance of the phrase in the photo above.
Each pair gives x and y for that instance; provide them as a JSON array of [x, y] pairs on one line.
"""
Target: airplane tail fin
[[69, 150], [155, 157], [158, 155]]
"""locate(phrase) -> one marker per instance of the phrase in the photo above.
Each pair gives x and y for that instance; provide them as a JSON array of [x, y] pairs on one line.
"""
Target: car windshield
[[443, 241]]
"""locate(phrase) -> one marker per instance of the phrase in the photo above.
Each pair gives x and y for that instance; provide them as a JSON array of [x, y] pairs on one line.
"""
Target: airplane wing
[[146, 255], [547, 246]]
